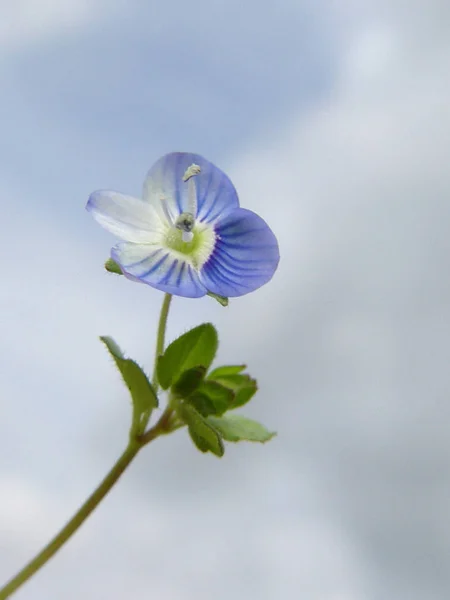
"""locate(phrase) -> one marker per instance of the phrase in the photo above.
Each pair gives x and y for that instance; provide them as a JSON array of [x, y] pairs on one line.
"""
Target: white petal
[[126, 217]]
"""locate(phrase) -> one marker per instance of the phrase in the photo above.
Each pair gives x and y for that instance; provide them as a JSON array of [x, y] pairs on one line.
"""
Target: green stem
[[161, 427], [160, 338], [71, 527]]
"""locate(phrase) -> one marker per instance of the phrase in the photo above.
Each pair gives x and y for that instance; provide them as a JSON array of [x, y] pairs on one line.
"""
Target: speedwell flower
[[188, 235]]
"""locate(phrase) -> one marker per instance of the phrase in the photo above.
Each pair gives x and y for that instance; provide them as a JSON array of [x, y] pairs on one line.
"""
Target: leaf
[[236, 428], [211, 398], [113, 267], [196, 347], [189, 381], [203, 434], [222, 300], [143, 396], [226, 370], [243, 387]]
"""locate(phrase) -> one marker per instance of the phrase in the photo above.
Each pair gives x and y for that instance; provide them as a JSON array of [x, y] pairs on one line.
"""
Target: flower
[[188, 236]]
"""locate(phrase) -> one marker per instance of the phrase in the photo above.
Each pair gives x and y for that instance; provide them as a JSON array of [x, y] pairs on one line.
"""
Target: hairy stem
[[75, 522], [160, 338], [161, 427]]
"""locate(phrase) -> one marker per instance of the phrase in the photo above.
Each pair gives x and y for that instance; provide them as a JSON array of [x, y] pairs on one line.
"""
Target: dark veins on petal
[[168, 275], [154, 267], [202, 201], [143, 260], [180, 274]]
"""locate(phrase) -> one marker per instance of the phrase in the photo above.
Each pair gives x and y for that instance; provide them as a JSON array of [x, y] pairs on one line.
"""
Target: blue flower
[[188, 235]]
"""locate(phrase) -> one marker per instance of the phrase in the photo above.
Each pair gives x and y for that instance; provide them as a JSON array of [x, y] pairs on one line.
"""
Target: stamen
[[191, 172], [188, 176], [166, 211]]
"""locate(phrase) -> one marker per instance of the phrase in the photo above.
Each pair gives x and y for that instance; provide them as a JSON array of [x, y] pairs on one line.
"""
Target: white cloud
[[358, 190], [352, 495], [22, 509], [26, 22]]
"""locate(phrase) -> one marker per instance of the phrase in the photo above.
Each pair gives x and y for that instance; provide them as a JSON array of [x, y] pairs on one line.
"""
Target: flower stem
[[160, 338], [161, 427], [75, 522]]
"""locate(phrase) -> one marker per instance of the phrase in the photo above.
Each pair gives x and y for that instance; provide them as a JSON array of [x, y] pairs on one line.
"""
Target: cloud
[[359, 191], [28, 22], [349, 344]]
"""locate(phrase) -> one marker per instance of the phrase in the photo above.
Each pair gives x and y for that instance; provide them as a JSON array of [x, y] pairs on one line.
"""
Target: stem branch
[[161, 427]]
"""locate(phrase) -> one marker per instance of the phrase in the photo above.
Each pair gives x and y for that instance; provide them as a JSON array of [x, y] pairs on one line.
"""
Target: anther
[[191, 172]]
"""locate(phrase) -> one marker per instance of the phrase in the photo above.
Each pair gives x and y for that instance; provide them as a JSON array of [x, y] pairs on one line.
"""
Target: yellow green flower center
[[199, 248]]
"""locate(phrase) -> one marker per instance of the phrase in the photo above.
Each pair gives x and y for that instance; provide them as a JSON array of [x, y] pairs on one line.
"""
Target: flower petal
[[216, 195], [245, 256], [126, 217], [160, 267]]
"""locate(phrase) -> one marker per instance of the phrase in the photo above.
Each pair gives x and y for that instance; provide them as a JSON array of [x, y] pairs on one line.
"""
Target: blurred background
[[332, 119]]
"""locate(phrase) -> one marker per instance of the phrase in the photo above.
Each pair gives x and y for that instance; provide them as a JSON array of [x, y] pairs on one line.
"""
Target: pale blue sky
[[145, 79], [332, 121]]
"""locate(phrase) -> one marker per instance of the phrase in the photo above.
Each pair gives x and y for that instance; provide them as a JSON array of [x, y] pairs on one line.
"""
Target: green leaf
[[226, 370], [211, 398], [243, 387], [203, 434], [196, 347], [222, 300], [143, 396], [113, 267], [235, 428], [189, 381]]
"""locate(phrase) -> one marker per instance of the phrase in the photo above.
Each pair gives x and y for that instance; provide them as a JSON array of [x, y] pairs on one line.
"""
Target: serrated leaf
[[243, 387], [196, 347], [226, 370], [113, 347], [143, 397], [203, 434], [222, 300], [113, 267], [236, 428], [189, 381], [211, 398]]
